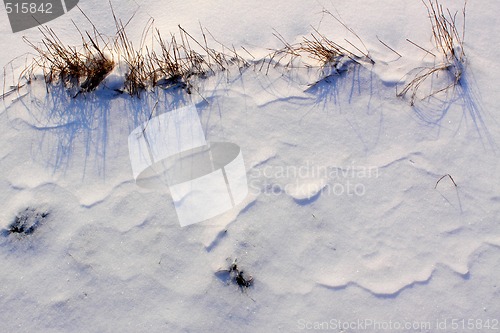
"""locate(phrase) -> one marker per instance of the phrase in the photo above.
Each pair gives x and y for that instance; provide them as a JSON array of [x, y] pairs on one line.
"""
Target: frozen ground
[[343, 222]]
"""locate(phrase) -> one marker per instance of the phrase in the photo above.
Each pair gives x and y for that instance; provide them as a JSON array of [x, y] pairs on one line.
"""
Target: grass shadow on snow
[[433, 109], [66, 128]]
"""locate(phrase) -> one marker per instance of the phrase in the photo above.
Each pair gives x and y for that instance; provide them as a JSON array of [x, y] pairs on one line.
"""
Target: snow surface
[[363, 233]]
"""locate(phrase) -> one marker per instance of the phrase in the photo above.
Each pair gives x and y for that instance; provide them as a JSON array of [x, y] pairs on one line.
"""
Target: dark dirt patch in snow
[[26, 222], [236, 275]]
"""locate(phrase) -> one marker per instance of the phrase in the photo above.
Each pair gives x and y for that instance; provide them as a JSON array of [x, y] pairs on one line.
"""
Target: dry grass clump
[[169, 61], [449, 42], [163, 62], [317, 47], [85, 67], [181, 58], [137, 76], [326, 51], [330, 56]]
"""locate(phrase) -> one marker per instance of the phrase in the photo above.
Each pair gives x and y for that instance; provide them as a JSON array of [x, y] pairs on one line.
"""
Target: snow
[[344, 220]]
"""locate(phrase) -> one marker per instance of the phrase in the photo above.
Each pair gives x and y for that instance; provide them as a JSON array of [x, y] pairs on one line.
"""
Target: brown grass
[[326, 52], [449, 42], [84, 67], [171, 61], [163, 62]]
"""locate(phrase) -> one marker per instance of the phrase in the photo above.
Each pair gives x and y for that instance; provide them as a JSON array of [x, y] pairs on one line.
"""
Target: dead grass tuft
[[171, 62], [85, 67], [331, 56], [449, 42]]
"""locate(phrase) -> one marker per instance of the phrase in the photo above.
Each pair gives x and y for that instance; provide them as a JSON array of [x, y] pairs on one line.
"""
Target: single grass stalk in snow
[[447, 175], [390, 48], [449, 41]]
